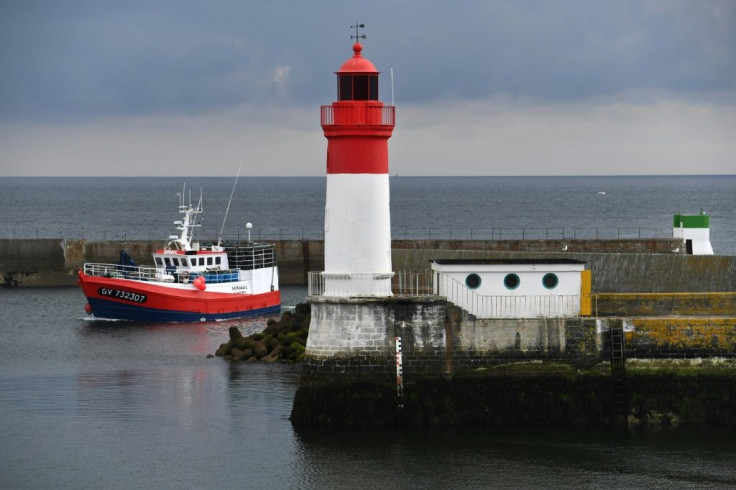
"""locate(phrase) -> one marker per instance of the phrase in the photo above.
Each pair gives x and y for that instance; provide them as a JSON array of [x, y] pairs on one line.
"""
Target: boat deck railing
[[140, 273], [249, 257], [143, 273]]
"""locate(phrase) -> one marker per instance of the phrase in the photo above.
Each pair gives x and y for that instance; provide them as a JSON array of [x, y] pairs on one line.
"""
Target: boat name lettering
[[125, 295], [239, 288]]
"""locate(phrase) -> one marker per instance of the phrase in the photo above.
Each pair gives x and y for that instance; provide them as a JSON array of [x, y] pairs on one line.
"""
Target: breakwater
[[659, 395], [618, 265], [652, 372]]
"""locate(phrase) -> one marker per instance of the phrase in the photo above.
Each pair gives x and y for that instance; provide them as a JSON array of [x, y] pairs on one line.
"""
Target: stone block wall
[[663, 304], [31, 255], [618, 266], [356, 336], [677, 337], [297, 258]]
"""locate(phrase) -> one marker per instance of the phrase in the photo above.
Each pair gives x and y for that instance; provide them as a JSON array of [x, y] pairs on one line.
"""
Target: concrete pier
[[617, 265]]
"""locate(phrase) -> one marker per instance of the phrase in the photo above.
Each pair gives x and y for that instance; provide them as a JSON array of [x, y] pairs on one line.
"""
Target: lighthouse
[[355, 319], [357, 215]]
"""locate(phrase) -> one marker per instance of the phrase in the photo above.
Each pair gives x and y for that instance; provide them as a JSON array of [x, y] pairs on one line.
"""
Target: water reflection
[[185, 397], [159, 340], [104, 404], [474, 458]]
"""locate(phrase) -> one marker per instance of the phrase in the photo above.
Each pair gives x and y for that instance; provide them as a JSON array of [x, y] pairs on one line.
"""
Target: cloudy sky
[[482, 87]]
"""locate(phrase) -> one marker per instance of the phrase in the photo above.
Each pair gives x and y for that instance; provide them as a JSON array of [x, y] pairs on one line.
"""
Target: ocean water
[[101, 404], [421, 207], [104, 404]]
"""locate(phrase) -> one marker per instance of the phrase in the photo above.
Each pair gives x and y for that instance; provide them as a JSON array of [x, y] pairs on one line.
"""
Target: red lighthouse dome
[[358, 64], [357, 78]]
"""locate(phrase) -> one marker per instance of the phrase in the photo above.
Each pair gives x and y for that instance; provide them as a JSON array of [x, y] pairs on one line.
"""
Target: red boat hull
[[127, 299]]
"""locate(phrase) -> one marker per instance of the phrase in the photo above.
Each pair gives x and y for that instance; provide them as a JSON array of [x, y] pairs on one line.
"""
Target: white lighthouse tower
[[357, 215]]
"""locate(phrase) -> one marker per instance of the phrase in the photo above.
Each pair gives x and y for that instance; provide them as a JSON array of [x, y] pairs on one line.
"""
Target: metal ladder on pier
[[618, 370]]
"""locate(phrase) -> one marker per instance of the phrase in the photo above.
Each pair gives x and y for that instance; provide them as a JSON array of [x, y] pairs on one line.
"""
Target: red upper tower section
[[357, 125]]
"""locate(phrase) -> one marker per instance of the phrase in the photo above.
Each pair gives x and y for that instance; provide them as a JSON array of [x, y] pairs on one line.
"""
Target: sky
[[481, 87]]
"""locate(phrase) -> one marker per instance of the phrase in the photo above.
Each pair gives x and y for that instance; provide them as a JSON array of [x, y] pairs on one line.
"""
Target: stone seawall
[[463, 370], [679, 337], [357, 337], [664, 304], [54, 262], [659, 396], [659, 372], [354, 337]]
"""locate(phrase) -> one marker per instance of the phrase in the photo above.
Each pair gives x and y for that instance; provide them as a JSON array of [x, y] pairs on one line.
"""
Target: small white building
[[518, 288], [694, 231]]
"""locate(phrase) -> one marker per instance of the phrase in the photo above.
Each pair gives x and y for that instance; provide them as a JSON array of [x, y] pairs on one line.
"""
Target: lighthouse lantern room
[[357, 215]]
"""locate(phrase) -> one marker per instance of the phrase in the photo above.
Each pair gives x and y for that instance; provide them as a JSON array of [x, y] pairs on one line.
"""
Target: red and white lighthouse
[[357, 214]]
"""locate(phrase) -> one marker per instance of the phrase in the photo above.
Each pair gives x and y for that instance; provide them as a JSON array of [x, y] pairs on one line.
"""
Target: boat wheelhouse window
[[201, 261], [158, 261], [209, 260], [167, 261], [218, 260]]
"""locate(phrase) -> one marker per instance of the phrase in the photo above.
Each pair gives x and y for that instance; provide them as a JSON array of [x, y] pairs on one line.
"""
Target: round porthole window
[[550, 281], [472, 281], [511, 281]]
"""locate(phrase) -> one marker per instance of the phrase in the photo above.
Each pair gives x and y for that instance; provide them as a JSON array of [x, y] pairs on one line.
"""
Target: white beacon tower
[[694, 231]]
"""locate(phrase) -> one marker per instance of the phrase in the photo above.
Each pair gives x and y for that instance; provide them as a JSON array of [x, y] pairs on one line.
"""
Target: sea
[[107, 404], [561, 208]]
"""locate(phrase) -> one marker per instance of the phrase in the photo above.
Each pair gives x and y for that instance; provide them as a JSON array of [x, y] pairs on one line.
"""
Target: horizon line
[[323, 175]]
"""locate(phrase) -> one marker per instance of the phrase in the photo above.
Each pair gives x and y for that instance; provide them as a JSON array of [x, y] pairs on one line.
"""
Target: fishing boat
[[189, 281]]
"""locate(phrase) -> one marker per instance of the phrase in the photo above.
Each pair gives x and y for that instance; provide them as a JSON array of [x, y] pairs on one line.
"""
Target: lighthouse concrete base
[[357, 336]]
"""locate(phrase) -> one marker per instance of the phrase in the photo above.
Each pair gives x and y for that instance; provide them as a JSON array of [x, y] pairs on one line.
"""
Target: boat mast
[[219, 237], [187, 225]]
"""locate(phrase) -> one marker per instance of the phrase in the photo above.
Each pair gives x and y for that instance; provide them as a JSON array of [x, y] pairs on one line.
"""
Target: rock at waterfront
[[282, 340], [235, 334]]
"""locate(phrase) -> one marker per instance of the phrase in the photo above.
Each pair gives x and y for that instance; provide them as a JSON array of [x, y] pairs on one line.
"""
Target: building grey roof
[[505, 261]]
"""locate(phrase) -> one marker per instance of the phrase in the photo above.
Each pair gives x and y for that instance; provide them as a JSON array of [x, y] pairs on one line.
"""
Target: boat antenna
[[219, 238], [198, 211]]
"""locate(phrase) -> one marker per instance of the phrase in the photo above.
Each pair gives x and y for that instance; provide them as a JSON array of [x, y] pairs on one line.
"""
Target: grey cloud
[[81, 59]]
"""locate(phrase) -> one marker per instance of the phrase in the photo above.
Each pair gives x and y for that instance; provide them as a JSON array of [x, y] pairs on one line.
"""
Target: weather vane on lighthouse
[[357, 35]]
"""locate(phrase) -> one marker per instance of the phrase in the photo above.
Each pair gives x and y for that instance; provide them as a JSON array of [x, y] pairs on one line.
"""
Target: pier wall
[[466, 371], [664, 304], [618, 266], [351, 337]]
